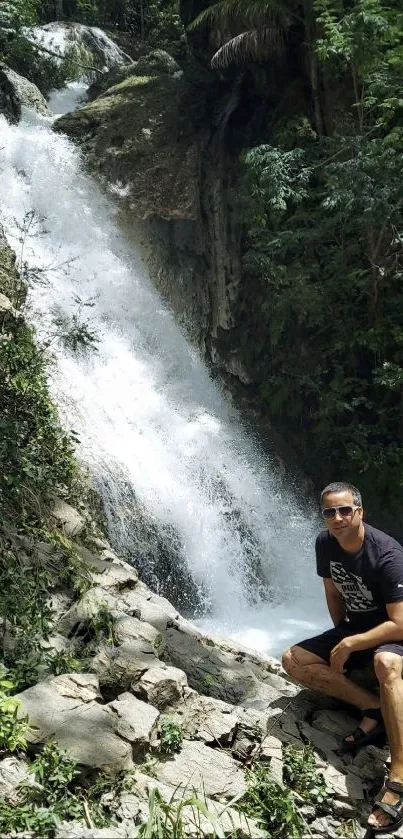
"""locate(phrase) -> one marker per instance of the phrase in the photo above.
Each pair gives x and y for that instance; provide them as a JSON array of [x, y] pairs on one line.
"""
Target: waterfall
[[169, 456]]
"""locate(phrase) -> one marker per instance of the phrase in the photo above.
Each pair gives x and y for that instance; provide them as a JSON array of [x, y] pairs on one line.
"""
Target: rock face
[[87, 44], [131, 137], [235, 709], [16, 92]]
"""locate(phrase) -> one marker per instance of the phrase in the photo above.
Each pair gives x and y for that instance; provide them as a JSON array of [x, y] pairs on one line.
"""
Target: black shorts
[[322, 645]]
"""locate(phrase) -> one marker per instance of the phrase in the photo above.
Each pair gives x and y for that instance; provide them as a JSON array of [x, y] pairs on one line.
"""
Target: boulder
[[135, 721], [108, 572], [17, 92], [70, 521], [161, 685], [346, 787], [131, 136], [148, 607], [64, 708], [132, 629], [207, 719], [88, 606], [210, 772], [337, 723], [124, 665], [12, 772], [156, 62]]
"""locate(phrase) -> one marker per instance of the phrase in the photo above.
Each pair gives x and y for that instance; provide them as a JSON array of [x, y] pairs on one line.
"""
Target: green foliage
[[178, 817], [324, 257], [301, 774], [271, 805], [100, 626], [13, 726], [170, 735], [25, 58], [36, 455]]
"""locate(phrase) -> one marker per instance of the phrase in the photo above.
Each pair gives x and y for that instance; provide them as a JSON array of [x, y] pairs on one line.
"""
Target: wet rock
[[17, 92]]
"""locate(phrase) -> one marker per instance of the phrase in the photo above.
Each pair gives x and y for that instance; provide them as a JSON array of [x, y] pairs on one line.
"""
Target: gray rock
[[344, 786], [63, 708], [123, 665], [88, 606], [70, 521], [370, 764], [7, 306], [334, 722], [17, 92], [324, 827], [208, 771], [343, 809], [156, 62], [77, 830], [135, 721], [149, 607], [194, 821], [207, 719], [161, 685], [12, 773], [130, 628], [108, 573]]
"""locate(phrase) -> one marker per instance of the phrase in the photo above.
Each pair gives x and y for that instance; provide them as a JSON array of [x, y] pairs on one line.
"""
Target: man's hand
[[340, 653]]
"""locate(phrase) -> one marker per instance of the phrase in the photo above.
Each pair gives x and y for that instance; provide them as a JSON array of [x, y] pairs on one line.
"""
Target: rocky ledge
[[235, 708]]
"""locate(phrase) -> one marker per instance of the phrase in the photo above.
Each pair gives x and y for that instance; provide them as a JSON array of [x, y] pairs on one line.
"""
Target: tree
[[256, 30]]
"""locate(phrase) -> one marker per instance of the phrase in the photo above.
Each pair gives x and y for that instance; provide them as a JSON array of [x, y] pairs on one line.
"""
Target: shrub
[[170, 735]]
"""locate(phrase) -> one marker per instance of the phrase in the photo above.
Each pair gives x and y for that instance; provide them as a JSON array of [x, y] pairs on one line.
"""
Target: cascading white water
[[152, 424]]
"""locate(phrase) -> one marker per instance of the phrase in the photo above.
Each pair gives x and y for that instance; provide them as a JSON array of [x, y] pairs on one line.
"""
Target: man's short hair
[[341, 486]]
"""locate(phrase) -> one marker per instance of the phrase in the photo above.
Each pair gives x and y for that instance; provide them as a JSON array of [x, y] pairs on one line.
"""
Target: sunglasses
[[345, 511]]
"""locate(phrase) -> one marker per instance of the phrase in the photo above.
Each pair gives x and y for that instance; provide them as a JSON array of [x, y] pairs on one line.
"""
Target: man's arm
[[390, 630], [335, 602]]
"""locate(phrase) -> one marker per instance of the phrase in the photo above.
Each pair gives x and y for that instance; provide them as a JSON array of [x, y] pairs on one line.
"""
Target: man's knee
[[296, 659], [288, 661], [387, 666]]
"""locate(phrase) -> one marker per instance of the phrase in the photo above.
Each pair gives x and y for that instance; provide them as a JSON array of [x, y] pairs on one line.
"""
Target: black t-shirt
[[366, 580]]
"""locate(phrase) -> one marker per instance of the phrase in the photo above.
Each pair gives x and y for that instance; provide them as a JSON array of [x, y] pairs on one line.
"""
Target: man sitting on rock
[[362, 570]]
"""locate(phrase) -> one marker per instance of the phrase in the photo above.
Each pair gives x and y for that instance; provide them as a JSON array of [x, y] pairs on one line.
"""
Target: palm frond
[[255, 44], [254, 13]]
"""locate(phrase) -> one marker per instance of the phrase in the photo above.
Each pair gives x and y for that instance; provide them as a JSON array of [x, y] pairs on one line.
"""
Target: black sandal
[[361, 738], [394, 811]]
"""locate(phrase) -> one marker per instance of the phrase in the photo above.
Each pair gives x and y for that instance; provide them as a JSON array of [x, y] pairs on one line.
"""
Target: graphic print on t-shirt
[[357, 597]]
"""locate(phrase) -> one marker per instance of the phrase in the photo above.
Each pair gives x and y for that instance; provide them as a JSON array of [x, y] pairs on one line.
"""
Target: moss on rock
[[131, 136]]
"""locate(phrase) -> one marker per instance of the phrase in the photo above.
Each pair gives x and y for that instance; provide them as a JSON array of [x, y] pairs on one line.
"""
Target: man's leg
[[313, 672], [388, 669]]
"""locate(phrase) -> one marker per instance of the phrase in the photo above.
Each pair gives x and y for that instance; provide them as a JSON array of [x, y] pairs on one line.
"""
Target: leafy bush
[[170, 735], [36, 455], [271, 805], [36, 66], [301, 774], [13, 726], [324, 261]]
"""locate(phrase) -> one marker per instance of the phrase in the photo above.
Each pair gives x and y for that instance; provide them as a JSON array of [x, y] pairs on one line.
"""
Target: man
[[362, 570]]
